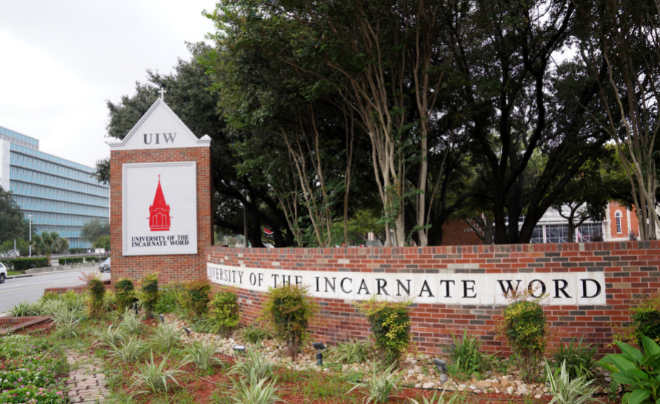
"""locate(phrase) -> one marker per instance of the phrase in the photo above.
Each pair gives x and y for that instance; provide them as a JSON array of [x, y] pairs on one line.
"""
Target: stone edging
[[21, 322], [86, 383]]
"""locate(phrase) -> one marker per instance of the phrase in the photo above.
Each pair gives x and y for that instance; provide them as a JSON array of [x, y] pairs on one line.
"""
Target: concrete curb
[[50, 273]]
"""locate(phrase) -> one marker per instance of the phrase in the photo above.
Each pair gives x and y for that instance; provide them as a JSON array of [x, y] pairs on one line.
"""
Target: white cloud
[[61, 62]]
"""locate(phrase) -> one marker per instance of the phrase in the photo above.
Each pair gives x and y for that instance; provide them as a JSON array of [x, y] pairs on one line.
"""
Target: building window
[[556, 233], [590, 232], [537, 235], [618, 222]]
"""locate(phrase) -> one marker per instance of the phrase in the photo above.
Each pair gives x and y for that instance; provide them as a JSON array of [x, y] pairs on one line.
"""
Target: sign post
[[160, 199]]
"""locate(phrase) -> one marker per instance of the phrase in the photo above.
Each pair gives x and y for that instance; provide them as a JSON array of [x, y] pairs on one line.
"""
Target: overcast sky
[[60, 61]]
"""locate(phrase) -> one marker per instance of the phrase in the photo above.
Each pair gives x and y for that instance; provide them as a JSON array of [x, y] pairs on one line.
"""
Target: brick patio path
[[86, 382]]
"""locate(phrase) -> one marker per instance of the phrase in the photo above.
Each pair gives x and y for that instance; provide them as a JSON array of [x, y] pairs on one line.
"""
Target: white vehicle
[[3, 273]]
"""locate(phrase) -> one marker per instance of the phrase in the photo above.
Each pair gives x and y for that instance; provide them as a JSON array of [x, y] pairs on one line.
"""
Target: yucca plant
[[380, 386], [112, 336], [353, 351], [67, 327], [254, 334], [154, 376], [131, 323], [25, 309], [254, 366], [567, 391], [166, 336], [202, 355], [256, 392], [130, 351], [438, 399]]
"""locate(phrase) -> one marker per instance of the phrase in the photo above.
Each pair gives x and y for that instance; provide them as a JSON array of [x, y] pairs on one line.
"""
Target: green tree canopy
[[12, 223], [94, 229]]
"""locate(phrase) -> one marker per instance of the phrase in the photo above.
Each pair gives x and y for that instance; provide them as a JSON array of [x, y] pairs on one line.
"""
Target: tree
[[94, 229], [102, 242], [48, 243], [21, 245], [12, 223], [624, 35]]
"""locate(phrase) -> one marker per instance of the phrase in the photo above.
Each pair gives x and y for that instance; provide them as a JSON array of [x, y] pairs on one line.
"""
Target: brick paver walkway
[[86, 382]]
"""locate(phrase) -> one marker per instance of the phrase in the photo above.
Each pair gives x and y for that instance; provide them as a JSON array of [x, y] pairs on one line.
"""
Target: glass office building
[[59, 194]]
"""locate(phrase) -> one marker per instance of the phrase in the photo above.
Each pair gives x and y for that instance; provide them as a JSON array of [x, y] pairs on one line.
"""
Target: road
[[32, 288]]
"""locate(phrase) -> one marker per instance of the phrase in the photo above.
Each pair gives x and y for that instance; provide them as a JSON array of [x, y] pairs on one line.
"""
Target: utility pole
[[30, 217]]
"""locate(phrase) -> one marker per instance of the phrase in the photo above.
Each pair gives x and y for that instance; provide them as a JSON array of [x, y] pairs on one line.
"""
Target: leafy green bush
[[390, 323], [96, 292], [70, 260], [21, 264], [578, 359], [8, 264], [195, 298], [224, 315], [125, 291], [77, 250], [466, 358], [566, 390], [169, 299], [149, 293], [524, 326], [289, 309], [255, 334], [91, 259], [352, 351], [641, 372]]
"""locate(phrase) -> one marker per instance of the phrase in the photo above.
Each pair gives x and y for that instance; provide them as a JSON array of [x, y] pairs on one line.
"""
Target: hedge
[[70, 260], [21, 264], [92, 259], [77, 250], [8, 264]]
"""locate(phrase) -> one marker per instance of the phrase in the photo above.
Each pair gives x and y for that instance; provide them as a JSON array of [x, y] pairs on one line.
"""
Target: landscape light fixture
[[239, 348], [441, 365], [162, 319], [135, 307], [186, 330], [319, 346]]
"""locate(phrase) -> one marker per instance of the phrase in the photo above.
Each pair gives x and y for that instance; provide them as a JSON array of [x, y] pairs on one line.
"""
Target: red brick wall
[[170, 267], [457, 232], [629, 267]]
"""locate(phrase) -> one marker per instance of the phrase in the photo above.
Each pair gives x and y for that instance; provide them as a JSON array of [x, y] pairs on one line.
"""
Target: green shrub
[[96, 293], [578, 359], [91, 259], [154, 376], [289, 309], [77, 250], [21, 264], [255, 334], [125, 291], [252, 366], [568, 390], [466, 358], [390, 323], [70, 260], [639, 371], [202, 355], [225, 315], [380, 386], [195, 298], [149, 293], [524, 326], [8, 264], [169, 299], [353, 351]]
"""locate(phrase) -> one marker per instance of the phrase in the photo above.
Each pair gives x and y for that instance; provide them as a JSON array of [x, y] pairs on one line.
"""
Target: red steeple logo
[[159, 212]]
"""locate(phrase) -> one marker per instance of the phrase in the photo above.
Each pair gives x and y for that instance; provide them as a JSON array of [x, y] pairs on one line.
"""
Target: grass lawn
[[12, 273]]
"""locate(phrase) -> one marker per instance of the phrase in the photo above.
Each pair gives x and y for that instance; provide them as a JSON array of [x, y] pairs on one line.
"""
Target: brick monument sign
[[160, 209]]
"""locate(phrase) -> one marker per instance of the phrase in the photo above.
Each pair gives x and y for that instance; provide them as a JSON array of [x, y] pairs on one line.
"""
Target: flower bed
[[30, 372]]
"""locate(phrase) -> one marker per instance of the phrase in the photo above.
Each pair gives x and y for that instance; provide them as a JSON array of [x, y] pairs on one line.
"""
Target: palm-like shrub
[[253, 366], [352, 351], [438, 399], [202, 355], [130, 351], [166, 336], [256, 392], [380, 386], [112, 336], [48, 243], [131, 323], [567, 391], [154, 376], [25, 309]]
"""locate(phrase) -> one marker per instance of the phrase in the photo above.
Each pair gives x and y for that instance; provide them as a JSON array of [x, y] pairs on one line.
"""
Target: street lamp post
[[30, 235]]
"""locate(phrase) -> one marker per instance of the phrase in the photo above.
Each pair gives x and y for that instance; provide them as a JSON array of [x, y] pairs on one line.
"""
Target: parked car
[[3, 272], [105, 266]]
